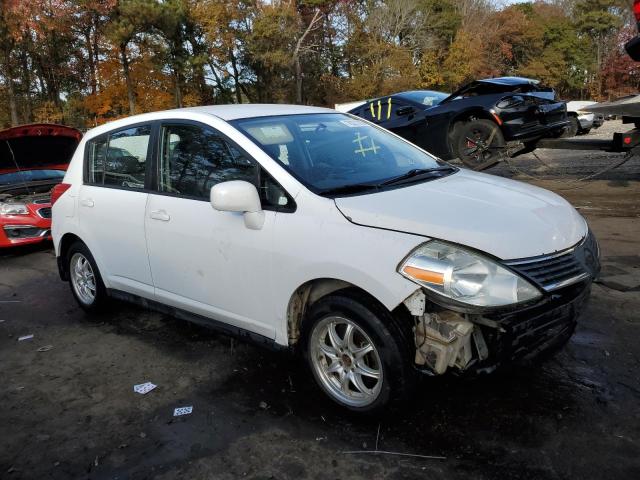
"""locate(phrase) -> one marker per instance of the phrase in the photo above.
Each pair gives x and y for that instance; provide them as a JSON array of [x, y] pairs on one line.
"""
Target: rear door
[[111, 206]]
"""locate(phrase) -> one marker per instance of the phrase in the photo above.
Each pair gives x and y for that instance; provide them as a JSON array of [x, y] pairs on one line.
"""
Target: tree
[[599, 20], [7, 44]]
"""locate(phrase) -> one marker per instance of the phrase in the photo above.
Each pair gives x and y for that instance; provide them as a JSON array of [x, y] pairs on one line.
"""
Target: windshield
[[30, 176], [329, 151], [429, 98]]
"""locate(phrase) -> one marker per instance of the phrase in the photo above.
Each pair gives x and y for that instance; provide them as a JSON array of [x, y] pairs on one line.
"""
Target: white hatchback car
[[307, 228]]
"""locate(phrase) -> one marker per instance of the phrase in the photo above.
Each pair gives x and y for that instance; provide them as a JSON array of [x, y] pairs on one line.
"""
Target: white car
[[313, 230], [582, 120]]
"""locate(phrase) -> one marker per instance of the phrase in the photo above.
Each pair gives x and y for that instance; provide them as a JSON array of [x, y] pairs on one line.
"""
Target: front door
[[203, 260]]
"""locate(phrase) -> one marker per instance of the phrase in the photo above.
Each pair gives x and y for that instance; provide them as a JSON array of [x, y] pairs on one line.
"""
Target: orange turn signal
[[436, 278]]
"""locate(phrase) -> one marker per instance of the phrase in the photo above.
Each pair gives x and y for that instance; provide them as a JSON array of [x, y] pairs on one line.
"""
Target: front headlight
[[465, 276], [13, 209]]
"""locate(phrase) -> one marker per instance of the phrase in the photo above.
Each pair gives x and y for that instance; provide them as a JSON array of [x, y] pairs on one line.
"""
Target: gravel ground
[[70, 412]]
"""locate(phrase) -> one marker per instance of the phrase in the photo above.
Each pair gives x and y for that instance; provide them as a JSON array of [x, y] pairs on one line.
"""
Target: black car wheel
[[478, 143], [573, 128]]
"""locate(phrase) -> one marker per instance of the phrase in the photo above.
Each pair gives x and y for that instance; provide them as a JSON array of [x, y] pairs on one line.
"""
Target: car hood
[[502, 85], [37, 146], [504, 218]]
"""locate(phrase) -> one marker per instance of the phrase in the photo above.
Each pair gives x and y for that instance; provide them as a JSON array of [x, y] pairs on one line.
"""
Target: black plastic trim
[[207, 322]]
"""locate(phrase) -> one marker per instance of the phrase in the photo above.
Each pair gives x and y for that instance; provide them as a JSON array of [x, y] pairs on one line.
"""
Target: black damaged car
[[479, 123]]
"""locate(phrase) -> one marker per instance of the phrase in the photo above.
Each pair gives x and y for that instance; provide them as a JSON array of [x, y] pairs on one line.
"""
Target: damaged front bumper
[[480, 343]]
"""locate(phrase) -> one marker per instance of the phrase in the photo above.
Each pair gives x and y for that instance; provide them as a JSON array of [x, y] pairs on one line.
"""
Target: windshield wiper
[[346, 189], [362, 187], [417, 172]]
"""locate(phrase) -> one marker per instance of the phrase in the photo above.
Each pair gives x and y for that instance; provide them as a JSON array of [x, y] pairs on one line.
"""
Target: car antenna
[[15, 162]]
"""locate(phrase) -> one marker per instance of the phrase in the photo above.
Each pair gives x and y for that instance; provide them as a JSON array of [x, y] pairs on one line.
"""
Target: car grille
[[45, 212], [551, 272]]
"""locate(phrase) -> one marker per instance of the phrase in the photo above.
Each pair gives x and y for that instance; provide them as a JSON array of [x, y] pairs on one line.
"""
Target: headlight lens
[[13, 209], [465, 276]]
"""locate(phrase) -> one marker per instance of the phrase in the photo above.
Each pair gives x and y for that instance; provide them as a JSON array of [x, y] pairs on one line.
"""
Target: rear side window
[[119, 159], [194, 158]]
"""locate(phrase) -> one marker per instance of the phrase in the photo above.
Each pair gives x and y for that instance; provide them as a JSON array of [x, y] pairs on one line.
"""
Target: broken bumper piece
[[473, 343]]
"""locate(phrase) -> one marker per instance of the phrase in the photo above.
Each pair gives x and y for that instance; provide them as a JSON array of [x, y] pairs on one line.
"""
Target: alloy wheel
[[83, 278], [346, 361]]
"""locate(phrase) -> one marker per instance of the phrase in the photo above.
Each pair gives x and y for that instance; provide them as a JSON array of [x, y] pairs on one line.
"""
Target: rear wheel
[[356, 354], [84, 278], [478, 143], [573, 128]]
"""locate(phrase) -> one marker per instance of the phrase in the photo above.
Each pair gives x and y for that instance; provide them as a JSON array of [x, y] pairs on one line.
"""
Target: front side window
[[119, 159], [331, 151], [194, 158]]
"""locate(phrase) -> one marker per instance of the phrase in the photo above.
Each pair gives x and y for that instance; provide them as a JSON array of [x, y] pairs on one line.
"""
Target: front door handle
[[87, 202], [160, 215]]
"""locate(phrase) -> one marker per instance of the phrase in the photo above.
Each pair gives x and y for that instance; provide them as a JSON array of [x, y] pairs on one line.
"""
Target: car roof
[[510, 81], [224, 112], [405, 95], [417, 90], [251, 110]]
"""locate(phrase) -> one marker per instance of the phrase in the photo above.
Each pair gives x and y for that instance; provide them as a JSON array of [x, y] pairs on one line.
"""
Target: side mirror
[[239, 196]]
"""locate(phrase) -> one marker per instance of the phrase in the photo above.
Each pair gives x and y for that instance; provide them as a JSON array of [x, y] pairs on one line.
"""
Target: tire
[[584, 131], [86, 285], [370, 324], [572, 129], [478, 143]]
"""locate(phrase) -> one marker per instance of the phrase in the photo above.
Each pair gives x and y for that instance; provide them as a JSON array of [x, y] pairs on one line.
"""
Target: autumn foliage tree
[[85, 62]]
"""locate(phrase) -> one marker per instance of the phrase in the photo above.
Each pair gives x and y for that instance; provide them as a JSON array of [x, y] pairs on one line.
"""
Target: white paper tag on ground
[[144, 388], [25, 337], [182, 411]]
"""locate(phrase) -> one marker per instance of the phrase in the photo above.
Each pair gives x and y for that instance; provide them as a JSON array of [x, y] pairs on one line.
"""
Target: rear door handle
[[160, 215], [87, 202]]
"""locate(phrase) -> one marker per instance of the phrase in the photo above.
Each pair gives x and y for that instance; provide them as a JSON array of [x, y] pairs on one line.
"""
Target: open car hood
[[37, 147], [491, 86], [504, 218]]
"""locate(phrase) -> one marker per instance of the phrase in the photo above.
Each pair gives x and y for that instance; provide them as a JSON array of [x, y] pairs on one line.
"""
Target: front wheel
[[478, 143], [356, 353]]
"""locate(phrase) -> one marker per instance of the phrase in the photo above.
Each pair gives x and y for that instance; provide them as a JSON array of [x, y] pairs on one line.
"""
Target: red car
[[33, 159]]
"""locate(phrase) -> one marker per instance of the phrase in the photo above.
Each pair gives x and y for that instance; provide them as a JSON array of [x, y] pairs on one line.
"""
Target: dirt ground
[[70, 412]]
